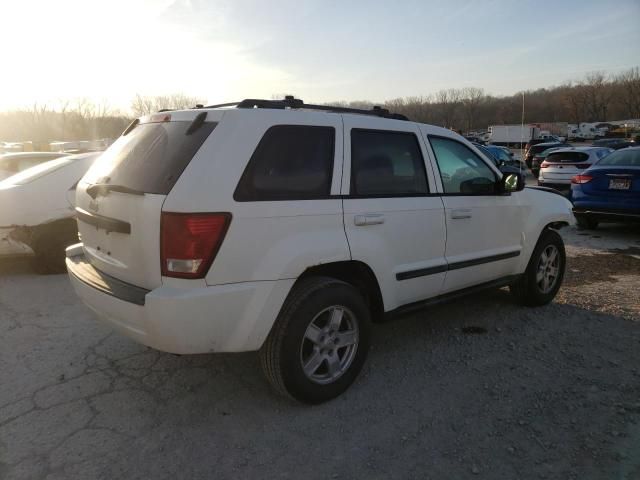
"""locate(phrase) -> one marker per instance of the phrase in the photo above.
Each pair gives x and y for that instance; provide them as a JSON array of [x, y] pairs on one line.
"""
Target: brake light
[[580, 179], [544, 164], [160, 118], [189, 242]]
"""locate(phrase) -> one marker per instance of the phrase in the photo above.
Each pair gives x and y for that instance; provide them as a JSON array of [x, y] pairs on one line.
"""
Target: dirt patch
[[604, 267], [604, 282]]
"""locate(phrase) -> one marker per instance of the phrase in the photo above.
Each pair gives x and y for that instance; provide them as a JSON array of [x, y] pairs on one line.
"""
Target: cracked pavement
[[552, 392]]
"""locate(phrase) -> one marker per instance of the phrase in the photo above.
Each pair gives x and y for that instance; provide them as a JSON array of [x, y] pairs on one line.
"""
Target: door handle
[[461, 213], [368, 219]]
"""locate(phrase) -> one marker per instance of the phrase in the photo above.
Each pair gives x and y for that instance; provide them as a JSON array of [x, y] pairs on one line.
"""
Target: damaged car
[[37, 211]]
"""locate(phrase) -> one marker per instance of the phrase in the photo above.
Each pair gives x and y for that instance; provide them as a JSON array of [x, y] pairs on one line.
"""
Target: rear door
[[393, 220], [119, 200]]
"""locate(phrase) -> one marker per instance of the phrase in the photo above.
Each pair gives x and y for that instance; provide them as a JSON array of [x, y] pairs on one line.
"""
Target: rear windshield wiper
[[104, 188]]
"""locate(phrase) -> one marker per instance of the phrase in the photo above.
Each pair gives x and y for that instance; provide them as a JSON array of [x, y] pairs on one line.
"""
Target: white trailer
[[585, 131], [511, 134]]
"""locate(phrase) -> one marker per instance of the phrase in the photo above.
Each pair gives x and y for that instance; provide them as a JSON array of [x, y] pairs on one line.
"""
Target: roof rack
[[290, 102]]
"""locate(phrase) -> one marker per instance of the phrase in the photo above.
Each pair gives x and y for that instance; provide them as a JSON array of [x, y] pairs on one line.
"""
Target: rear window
[[151, 157], [567, 157], [622, 158], [291, 162]]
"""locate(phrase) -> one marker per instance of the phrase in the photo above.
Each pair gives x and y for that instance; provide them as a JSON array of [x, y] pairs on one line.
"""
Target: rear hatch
[[620, 182], [119, 200], [563, 165]]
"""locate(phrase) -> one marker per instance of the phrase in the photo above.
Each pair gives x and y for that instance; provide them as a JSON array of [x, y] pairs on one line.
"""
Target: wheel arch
[[355, 273]]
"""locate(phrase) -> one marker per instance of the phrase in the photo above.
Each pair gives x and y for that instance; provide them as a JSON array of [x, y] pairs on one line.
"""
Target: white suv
[[560, 166], [287, 228]]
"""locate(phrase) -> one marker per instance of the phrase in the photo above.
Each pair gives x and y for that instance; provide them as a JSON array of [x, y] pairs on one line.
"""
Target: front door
[[484, 230]]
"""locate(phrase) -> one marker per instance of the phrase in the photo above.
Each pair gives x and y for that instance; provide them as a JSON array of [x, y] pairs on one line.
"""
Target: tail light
[[189, 242], [544, 164], [580, 179]]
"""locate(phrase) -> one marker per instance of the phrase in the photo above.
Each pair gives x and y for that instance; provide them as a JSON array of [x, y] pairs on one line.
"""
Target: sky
[[226, 50]]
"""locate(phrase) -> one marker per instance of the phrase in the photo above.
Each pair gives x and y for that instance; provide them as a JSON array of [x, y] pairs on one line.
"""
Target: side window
[[386, 163], [291, 162], [461, 170]]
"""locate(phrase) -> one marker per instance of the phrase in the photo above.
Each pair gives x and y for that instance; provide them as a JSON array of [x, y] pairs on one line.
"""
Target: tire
[[49, 247], [587, 223], [308, 312], [530, 289]]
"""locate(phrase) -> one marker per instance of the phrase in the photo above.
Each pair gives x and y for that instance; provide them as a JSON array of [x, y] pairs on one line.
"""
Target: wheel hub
[[329, 344], [548, 268]]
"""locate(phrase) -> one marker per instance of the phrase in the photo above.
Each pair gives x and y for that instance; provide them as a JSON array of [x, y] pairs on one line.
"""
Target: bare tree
[[628, 88], [471, 98], [144, 105], [597, 95], [448, 104]]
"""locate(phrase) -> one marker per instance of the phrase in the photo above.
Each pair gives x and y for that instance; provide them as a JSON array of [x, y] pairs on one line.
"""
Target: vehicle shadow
[[16, 265]]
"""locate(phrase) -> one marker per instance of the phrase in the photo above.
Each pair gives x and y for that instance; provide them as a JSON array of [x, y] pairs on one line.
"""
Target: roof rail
[[291, 102]]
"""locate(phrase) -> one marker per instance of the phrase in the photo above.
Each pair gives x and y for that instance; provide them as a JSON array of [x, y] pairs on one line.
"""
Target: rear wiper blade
[[104, 188]]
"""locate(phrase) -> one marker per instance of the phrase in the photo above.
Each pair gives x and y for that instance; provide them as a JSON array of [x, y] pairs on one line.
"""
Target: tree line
[[598, 96]]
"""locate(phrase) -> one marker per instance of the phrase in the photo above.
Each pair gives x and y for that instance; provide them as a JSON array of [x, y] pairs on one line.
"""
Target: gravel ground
[[481, 388]]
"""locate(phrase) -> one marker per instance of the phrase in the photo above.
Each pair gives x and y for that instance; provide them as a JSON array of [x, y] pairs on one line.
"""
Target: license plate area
[[619, 184]]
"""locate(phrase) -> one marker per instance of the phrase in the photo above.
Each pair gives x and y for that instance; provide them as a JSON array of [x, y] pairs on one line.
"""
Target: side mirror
[[511, 182]]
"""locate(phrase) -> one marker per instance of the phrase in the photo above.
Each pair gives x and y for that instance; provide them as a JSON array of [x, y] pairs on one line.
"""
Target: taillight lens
[[579, 179], [190, 241], [544, 164]]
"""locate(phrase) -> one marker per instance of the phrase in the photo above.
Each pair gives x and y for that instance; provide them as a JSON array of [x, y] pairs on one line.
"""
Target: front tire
[[319, 342], [543, 277]]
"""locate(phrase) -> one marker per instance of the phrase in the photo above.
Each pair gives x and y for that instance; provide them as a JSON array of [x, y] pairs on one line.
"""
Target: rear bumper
[[224, 318], [557, 184], [604, 215]]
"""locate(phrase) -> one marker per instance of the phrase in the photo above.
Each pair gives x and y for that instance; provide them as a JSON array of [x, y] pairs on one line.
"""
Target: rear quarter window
[[291, 162]]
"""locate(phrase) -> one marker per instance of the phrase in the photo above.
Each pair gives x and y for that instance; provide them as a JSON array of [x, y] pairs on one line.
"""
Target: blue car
[[608, 191]]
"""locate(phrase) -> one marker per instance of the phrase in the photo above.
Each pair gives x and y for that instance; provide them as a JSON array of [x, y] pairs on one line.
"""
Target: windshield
[[33, 173], [622, 158], [501, 154], [150, 158], [546, 152]]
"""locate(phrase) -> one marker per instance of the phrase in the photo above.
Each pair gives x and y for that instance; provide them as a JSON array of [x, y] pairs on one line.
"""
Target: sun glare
[[110, 51]]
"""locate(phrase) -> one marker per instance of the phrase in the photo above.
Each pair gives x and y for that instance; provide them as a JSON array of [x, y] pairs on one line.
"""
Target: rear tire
[[587, 223], [319, 341], [543, 277]]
